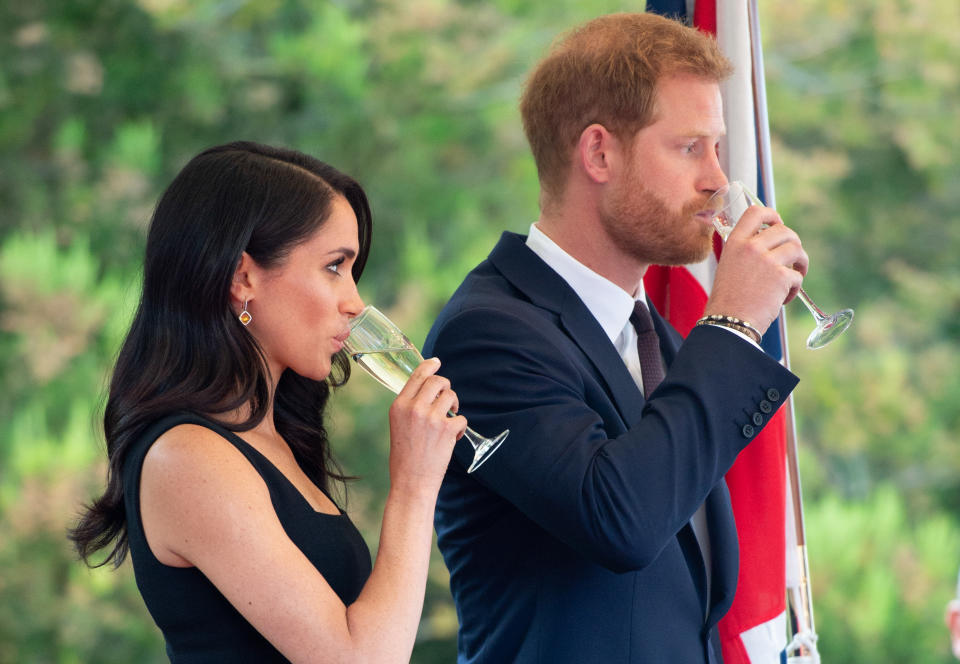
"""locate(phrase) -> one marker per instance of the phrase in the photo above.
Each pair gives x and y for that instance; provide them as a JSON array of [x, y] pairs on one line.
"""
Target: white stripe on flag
[[738, 150], [766, 641], [704, 272], [792, 561]]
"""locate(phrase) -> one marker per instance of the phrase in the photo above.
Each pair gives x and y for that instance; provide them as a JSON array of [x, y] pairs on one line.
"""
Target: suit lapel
[[545, 288], [586, 332]]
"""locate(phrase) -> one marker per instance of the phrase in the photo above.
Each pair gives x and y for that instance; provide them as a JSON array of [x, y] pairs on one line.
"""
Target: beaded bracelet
[[733, 323]]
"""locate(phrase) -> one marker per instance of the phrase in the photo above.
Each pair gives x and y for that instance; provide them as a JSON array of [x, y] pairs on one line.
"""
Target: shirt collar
[[609, 304]]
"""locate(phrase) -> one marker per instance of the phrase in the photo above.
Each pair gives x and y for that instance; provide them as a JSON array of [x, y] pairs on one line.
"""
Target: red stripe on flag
[[757, 483], [676, 294], [705, 16]]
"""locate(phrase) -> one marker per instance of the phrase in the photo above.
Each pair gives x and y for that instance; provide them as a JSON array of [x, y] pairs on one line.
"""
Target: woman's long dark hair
[[186, 351]]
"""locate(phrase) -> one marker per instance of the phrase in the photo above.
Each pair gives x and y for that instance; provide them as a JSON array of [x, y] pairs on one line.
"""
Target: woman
[[220, 473]]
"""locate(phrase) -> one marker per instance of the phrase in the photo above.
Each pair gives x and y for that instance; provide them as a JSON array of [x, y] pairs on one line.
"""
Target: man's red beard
[[643, 227]]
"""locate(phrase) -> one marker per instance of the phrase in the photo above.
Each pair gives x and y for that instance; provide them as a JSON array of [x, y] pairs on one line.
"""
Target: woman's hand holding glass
[[422, 432]]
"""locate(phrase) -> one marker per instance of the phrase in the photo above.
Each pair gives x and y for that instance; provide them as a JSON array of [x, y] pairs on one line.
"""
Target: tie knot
[[640, 318]]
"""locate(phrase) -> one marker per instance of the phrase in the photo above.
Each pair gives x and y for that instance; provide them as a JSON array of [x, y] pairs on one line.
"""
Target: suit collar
[[610, 304], [545, 288], [528, 273]]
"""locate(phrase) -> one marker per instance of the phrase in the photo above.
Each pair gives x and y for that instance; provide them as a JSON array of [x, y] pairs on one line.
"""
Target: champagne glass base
[[485, 450], [829, 329]]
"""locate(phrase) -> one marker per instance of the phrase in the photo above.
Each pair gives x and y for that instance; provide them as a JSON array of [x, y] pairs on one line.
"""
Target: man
[[601, 530]]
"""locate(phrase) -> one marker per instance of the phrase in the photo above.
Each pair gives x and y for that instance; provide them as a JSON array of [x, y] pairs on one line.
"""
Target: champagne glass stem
[[811, 306], [475, 439], [483, 447]]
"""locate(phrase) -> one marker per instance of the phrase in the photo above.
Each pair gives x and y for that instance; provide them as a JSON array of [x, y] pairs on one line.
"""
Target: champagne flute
[[384, 352], [727, 205]]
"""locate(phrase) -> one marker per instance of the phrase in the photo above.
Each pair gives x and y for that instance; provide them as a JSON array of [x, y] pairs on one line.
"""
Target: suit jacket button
[[773, 394], [747, 431], [757, 419], [765, 407]]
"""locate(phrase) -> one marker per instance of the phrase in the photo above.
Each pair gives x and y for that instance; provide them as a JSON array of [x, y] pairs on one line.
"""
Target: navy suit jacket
[[572, 542]]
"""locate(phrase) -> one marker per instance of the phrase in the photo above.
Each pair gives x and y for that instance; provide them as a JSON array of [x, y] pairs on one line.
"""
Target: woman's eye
[[335, 265]]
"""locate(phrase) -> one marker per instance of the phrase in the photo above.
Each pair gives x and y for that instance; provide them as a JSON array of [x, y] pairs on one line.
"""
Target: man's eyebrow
[[700, 134]]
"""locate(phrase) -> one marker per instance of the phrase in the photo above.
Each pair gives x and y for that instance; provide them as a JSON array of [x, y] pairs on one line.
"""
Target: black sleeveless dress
[[198, 623]]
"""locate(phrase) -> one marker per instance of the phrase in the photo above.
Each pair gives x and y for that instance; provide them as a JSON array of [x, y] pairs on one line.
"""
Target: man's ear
[[243, 286], [598, 152]]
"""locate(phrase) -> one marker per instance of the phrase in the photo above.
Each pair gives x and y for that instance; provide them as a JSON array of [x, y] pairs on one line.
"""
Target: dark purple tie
[[648, 348]]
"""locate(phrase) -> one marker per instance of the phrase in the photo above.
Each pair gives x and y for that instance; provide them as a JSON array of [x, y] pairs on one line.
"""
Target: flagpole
[[802, 649]]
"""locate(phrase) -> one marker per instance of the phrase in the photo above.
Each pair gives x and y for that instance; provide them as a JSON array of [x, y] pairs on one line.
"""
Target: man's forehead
[[688, 105]]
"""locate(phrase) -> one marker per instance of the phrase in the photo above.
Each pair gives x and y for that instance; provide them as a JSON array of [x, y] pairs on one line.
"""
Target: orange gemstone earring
[[245, 316]]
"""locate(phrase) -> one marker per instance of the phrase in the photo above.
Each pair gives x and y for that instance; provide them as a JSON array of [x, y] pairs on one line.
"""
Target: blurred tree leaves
[[102, 101], [863, 149], [862, 87], [890, 566]]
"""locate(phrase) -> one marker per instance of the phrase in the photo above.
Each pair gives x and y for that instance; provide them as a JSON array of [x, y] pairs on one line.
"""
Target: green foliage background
[[102, 101]]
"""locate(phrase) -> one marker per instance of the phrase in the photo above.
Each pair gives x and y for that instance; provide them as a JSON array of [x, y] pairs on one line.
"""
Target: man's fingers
[[791, 254], [754, 220]]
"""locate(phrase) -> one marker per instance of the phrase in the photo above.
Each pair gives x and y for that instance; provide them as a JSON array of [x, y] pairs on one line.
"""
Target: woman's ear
[[243, 286]]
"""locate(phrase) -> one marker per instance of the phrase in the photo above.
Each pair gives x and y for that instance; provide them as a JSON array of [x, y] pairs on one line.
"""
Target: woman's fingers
[[440, 401], [420, 374], [422, 432], [428, 398]]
